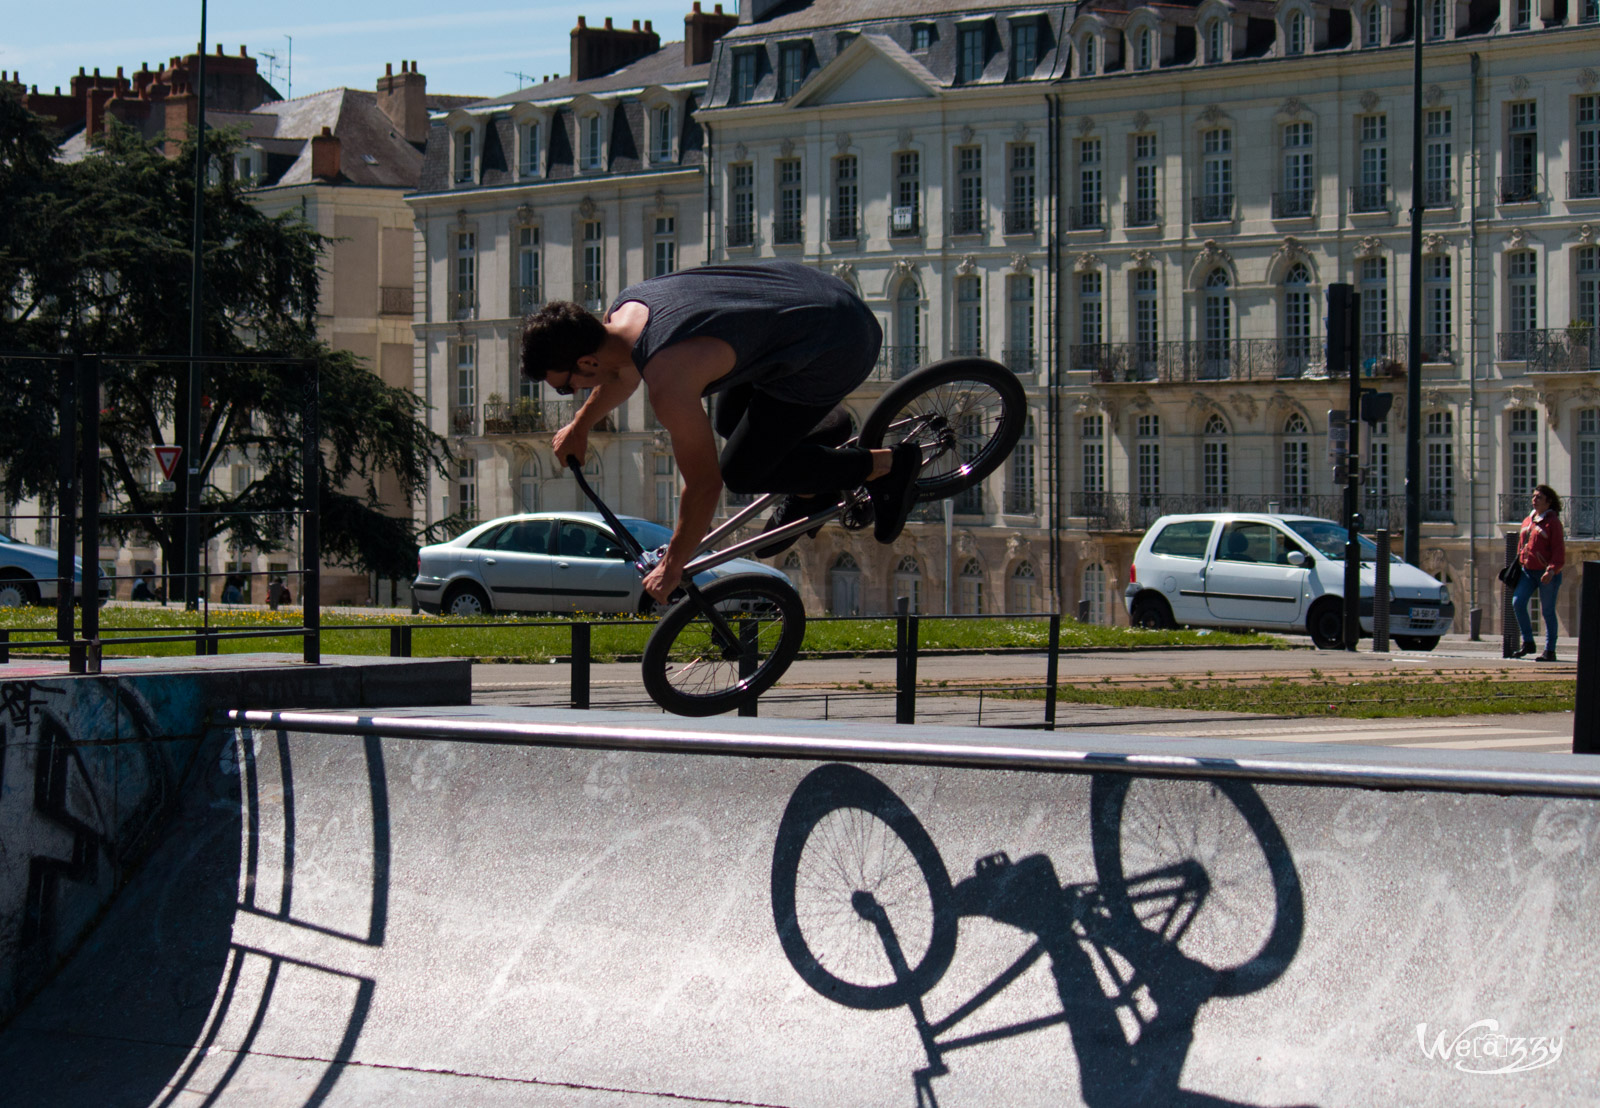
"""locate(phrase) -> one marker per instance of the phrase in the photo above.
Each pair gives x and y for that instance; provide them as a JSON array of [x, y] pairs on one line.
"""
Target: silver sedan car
[[558, 562], [28, 574]]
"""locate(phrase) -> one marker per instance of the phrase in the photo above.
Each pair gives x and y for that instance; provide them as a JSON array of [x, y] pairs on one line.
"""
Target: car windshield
[[1329, 539], [650, 535], [5, 538]]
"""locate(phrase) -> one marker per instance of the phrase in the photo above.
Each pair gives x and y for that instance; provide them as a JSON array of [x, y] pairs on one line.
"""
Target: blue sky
[[474, 49]]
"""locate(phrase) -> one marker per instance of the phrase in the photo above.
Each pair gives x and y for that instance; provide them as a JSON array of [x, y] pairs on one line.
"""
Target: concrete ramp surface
[[568, 909]]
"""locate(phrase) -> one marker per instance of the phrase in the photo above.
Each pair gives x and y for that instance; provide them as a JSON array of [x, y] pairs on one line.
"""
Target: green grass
[[435, 637]]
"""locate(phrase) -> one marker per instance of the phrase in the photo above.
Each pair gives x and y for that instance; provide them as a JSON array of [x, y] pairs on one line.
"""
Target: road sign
[[167, 486], [167, 458]]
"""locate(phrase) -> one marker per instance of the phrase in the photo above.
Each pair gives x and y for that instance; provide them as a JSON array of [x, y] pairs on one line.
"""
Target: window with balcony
[[1142, 211], [1374, 313], [1022, 182], [464, 290], [467, 488], [794, 65], [741, 205], [1146, 325], [1438, 298], [526, 295], [1520, 183], [969, 317], [907, 353], [1583, 506], [1021, 477], [1024, 49], [972, 54], [1216, 326], [1297, 344], [1584, 180], [1371, 192], [465, 372], [1439, 467], [1586, 308], [1299, 175], [743, 88], [1088, 211], [791, 202], [1437, 158], [591, 154], [905, 218], [464, 157], [1147, 466], [846, 222], [1522, 305], [968, 216], [1019, 353], [1091, 321], [1214, 478], [1375, 477], [661, 135], [1214, 204], [592, 293], [1523, 440], [1296, 491], [1092, 463], [665, 259]]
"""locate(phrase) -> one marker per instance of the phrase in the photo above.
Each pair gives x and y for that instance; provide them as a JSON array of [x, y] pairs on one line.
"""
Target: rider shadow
[[1197, 899]]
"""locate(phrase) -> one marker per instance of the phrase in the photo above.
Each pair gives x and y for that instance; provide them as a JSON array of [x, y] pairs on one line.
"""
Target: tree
[[95, 257]]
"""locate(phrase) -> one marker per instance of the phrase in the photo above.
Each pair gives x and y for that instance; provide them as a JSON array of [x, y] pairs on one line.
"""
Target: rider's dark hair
[[556, 336]]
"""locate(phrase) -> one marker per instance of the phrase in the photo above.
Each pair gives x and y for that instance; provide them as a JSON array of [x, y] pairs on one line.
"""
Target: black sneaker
[[790, 509], [1526, 649], [1547, 656], [893, 494]]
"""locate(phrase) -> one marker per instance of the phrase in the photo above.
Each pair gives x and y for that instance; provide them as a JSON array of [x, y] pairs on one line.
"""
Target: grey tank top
[[796, 333]]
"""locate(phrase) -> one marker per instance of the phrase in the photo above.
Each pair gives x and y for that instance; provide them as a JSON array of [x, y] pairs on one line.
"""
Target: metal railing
[[1135, 511], [463, 303], [1216, 208], [741, 233], [905, 221], [844, 228], [788, 232], [1020, 221], [966, 221], [521, 417], [894, 362], [1389, 355], [1020, 360], [1141, 213], [1293, 203], [464, 420], [1369, 197], [1200, 360], [525, 299], [1551, 349], [1084, 217], [1583, 184], [1519, 188], [591, 294], [1437, 194]]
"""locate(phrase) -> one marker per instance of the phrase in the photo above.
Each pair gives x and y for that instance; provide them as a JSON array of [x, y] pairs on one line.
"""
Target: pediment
[[873, 67]]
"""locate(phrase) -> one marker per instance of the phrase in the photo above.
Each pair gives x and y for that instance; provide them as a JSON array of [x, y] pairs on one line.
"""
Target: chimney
[[597, 51], [701, 30], [325, 156], [403, 97]]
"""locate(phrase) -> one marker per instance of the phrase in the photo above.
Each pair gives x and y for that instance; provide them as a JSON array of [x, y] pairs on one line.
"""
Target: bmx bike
[[1197, 898], [724, 643]]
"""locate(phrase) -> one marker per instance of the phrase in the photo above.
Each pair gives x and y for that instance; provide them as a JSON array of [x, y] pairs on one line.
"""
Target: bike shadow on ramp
[[135, 1016], [1197, 900]]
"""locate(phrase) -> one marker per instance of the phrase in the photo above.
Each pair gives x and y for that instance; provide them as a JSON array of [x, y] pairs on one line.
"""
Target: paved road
[[863, 689]]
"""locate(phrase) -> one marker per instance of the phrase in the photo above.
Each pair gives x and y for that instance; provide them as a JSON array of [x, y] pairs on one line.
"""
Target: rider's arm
[[573, 439]]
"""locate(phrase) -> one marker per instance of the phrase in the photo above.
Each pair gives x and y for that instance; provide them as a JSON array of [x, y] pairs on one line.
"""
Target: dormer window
[[589, 142], [1216, 41], [1295, 39], [1372, 22], [921, 36], [973, 56], [1142, 48], [1088, 57], [1438, 19], [794, 62], [661, 134], [247, 167], [744, 77], [532, 135], [464, 157], [1024, 50]]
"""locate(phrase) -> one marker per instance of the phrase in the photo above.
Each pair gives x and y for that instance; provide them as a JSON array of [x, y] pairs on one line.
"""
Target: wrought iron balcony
[[464, 420], [520, 417], [844, 228], [394, 300], [1369, 197], [1552, 349], [1293, 203], [894, 362], [1141, 213], [966, 221], [1583, 184], [1217, 208], [1020, 500], [1519, 188], [1437, 194], [525, 299], [1201, 360], [787, 232], [1020, 360], [741, 233], [591, 294], [1020, 221], [464, 304], [1389, 355], [1083, 217], [1581, 516]]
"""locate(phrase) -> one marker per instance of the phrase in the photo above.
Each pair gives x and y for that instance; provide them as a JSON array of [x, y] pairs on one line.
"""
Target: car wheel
[[18, 593], [1325, 624], [466, 600], [648, 605], [1151, 613], [1416, 642]]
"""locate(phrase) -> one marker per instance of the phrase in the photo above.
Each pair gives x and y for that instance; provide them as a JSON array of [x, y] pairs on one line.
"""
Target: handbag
[[1511, 575]]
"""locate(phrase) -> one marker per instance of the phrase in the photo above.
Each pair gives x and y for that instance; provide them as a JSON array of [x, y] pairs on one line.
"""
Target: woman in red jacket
[[1542, 551]]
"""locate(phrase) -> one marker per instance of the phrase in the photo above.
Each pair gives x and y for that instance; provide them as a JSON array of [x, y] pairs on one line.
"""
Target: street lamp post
[[1413, 549], [189, 477]]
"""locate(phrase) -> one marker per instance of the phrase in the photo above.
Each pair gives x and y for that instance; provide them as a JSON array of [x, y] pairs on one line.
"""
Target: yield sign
[[167, 456]]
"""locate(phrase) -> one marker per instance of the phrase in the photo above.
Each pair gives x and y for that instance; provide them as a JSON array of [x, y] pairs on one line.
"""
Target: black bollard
[[1586, 713], [1380, 595], [1509, 634], [580, 665], [748, 662]]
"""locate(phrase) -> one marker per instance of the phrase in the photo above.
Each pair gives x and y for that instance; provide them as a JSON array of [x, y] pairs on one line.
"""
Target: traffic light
[[1375, 405], [1342, 338]]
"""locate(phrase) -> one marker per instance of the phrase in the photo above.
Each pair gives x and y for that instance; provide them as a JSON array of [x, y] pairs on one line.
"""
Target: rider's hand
[[662, 580], [570, 441]]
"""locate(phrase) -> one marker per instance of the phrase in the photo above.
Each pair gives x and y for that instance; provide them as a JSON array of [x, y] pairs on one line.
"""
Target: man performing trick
[[780, 344]]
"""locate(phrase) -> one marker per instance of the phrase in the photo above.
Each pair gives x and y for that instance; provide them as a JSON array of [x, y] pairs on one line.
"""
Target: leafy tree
[[95, 257]]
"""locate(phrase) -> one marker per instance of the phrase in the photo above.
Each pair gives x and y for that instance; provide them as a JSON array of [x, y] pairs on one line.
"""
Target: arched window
[[908, 583], [1438, 19], [1296, 38], [1142, 49], [1023, 589], [1372, 24], [791, 562], [1216, 326], [528, 486], [1094, 591], [906, 354], [1296, 465], [1214, 464], [1216, 41], [1088, 59], [844, 587], [972, 588], [1297, 346]]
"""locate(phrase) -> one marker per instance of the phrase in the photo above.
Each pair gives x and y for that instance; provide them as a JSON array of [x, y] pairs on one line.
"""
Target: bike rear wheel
[[967, 413], [860, 896], [690, 672]]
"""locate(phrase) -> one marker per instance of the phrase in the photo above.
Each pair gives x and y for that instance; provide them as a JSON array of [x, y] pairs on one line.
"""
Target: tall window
[[467, 488], [1146, 323], [1297, 320], [1522, 303], [1024, 589], [969, 191], [1374, 311], [463, 157], [531, 151], [1020, 477], [1024, 49], [1375, 481], [1371, 194], [1147, 467], [969, 316], [1521, 14], [1088, 56], [791, 201], [1372, 24], [1299, 177], [845, 198], [590, 145], [594, 262], [1019, 209], [844, 587], [744, 77], [1019, 354], [666, 246], [1094, 591], [1438, 294], [1142, 48], [793, 63], [741, 205], [1090, 184], [908, 582], [1438, 19], [466, 374], [528, 270], [1091, 313], [528, 485], [1439, 466], [1437, 160], [1142, 208], [1214, 464], [1092, 455], [908, 328], [1586, 312], [1216, 41], [972, 588], [1521, 180], [666, 483], [973, 56], [1296, 38], [1583, 508], [1524, 442], [1585, 180], [1296, 465], [1217, 326], [466, 275], [1215, 202], [661, 134], [904, 220]]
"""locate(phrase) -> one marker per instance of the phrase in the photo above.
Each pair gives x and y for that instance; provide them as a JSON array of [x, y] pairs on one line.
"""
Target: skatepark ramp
[[506, 906]]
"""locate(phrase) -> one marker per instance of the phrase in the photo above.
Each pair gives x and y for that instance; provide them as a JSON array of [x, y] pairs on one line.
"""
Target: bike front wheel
[[966, 413], [861, 898], [690, 671]]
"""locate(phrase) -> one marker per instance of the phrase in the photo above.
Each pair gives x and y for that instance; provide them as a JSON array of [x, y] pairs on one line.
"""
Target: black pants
[[780, 446]]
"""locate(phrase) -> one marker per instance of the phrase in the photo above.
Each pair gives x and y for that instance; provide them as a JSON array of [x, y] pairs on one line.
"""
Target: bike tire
[[981, 400], [688, 674], [844, 833], [1249, 919]]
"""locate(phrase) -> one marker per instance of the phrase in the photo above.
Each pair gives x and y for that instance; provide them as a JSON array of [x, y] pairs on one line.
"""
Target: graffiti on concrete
[[1197, 899]]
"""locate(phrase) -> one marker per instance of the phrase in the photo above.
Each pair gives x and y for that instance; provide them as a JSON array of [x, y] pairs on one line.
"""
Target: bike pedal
[[857, 515]]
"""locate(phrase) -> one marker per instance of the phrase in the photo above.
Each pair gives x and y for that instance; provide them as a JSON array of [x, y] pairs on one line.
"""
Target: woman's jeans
[[1547, 605]]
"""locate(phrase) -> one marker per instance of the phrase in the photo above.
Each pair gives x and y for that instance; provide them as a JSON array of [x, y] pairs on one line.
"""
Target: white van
[[1273, 572]]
